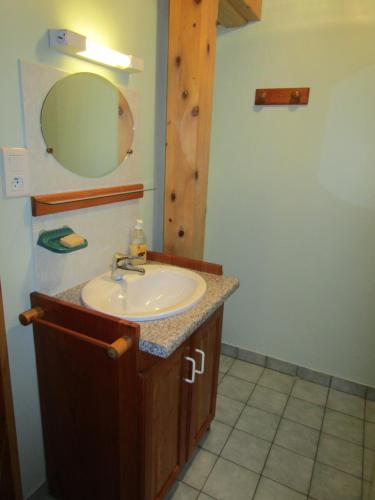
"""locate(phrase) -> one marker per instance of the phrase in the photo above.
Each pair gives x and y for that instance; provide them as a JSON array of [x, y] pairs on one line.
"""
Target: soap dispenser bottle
[[138, 244]]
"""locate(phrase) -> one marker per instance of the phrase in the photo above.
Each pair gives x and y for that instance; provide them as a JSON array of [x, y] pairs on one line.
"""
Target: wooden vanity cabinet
[[176, 413], [119, 423]]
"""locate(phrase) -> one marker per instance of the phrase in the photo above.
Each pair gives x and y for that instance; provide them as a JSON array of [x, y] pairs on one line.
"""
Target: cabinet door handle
[[203, 359], [192, 379]]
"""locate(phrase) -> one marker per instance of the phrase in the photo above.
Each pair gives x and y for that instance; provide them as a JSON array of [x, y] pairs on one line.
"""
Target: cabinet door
[[164, 422], [205, 349], [89, 401]]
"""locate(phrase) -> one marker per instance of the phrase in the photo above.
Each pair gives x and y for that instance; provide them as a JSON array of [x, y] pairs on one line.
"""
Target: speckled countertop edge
[[164, 336]]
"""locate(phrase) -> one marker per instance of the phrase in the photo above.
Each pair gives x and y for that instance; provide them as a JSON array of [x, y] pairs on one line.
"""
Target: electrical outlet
[[17, 183], [16, 172]]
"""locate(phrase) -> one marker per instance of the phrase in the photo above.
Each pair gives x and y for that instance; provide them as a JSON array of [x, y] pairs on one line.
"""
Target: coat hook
[[296, 95]]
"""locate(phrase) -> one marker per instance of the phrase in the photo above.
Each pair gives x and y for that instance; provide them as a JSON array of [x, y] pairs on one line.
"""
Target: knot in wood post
[[195, 111], [190, 53]]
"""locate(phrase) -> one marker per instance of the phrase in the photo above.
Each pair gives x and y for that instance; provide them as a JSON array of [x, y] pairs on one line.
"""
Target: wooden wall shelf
[[62, 202], [282, 97], [235, 13]]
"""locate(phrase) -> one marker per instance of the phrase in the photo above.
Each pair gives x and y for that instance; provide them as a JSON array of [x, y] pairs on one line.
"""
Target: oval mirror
[[87, 124]]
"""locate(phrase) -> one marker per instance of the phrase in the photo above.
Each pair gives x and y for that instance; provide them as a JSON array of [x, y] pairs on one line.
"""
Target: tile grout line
[[343, 439], [327, 386], [270, 443], [273, 440], [365, 388], [282, 416], [339, 470], [364, 448], [231, 432], [224, 373], [284, 448], [247, 404], [318, 443], [300, 399], [326, 408]]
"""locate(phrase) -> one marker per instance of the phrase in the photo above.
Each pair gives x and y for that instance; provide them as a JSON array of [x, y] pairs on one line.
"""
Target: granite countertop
[[162, 337]]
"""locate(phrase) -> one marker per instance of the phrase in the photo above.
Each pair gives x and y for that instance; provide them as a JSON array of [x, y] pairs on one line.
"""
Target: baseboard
[[317, 377]]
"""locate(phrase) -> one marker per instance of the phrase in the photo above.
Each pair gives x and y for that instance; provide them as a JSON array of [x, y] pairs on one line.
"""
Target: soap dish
[[50, 240]]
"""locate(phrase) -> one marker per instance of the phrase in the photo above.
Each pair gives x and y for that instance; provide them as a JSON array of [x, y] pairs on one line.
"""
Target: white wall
[[292, 190]]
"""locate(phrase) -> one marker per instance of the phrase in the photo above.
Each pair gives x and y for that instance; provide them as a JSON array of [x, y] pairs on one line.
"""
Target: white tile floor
[[278, 437]]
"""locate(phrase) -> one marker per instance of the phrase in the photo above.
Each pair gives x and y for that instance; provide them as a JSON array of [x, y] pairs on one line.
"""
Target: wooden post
[[191, 59]]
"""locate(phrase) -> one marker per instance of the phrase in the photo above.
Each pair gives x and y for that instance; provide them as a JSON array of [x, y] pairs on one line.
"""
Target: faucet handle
[[131, 257], [121, 256], [115, 259], [125, 266]]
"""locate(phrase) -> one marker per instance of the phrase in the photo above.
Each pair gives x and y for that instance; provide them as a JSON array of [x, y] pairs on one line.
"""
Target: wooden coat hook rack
[[282, 97]]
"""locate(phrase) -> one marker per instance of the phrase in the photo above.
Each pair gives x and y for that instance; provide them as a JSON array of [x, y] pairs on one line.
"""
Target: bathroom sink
[[161, 292]]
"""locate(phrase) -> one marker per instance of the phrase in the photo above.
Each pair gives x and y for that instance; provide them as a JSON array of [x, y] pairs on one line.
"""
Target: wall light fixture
[[78, 45]]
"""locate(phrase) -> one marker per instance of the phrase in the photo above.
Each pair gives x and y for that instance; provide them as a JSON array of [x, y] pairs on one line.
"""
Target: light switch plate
[[16, 172]]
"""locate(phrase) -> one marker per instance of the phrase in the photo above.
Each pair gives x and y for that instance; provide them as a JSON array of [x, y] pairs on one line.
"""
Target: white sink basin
[[161, 292]]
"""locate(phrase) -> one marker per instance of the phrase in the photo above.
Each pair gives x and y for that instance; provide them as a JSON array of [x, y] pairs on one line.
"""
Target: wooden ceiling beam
[[235, 13]]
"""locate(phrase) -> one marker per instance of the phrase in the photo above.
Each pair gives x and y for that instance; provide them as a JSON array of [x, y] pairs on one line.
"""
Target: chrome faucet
[[123, 262]]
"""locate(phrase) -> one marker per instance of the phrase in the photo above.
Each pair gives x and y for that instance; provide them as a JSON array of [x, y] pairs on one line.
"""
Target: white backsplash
[[106, 228], [46, 174]]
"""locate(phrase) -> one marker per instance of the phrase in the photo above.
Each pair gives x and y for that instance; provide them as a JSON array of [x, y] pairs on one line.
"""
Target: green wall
[[292, 190], [130, 26]]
